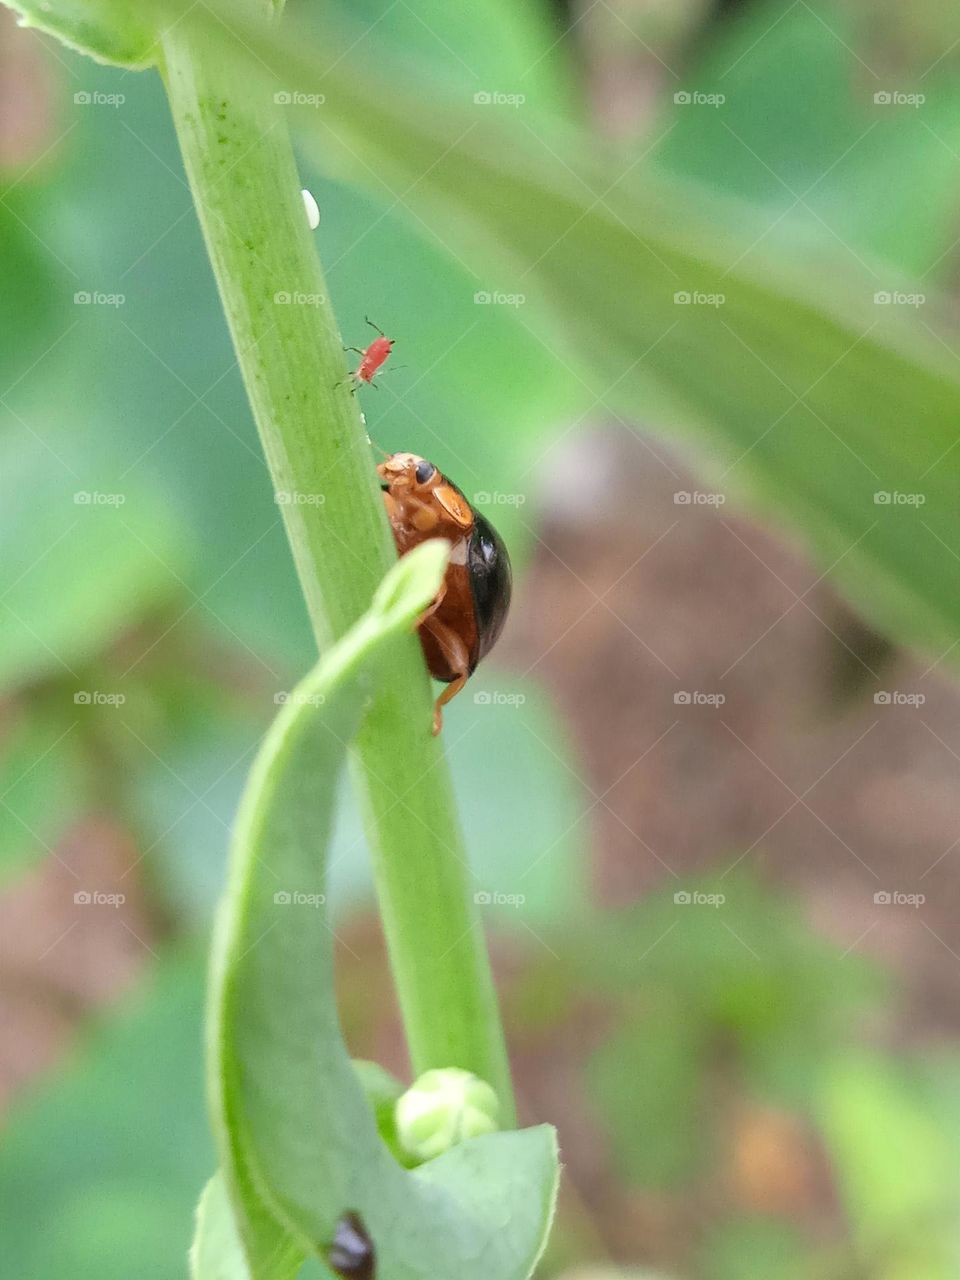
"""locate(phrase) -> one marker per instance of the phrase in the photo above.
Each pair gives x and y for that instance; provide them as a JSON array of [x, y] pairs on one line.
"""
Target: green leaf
[[43, 783], [112, 31], [298, 1140], [879, 1119], [217, 1251], [100, 1163], [841, 165], [27, 305], [754, 1249], [647, 1086], [61, 540], [382, 1091], [487, 45], [804, 392]]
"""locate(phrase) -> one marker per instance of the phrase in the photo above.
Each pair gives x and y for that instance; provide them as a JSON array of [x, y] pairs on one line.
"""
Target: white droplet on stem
[[312, 208]]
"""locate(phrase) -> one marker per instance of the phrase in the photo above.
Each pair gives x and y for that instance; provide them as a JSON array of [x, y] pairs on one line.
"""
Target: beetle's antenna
[[374, 326]]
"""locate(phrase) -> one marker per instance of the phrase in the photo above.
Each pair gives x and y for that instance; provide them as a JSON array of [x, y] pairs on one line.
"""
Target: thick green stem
[[240, 164]]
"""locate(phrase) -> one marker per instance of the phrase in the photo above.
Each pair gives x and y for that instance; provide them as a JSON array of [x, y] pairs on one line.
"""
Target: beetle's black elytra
[[491, 580]]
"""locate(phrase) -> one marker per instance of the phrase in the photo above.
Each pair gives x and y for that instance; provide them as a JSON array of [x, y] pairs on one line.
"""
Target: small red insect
[[372, 358]]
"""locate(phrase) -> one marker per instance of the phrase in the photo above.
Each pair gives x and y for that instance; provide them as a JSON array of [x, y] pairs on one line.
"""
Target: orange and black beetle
[[464, 622]]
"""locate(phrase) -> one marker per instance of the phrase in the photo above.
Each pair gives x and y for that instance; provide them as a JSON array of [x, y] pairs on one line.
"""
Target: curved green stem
[[240, 164]]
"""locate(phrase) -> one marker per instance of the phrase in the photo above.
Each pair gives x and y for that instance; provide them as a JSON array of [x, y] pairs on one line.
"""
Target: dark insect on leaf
[[352, 1254]]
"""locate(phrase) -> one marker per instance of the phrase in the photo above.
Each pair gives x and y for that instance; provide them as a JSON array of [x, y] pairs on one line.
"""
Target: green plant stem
[[241, 167]]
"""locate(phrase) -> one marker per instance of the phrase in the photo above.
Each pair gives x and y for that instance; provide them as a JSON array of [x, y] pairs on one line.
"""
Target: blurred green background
[[719, 811]]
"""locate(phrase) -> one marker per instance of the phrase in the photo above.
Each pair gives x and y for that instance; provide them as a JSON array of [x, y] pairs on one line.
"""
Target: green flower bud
[[442, 1108]]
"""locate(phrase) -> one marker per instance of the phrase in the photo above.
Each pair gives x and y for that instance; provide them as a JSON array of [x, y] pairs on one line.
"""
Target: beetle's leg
[[392, 506], [451, 691], [421, 515], [431, 609], [458, 657]]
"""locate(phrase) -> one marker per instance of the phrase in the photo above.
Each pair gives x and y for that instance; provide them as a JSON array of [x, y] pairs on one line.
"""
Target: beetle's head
[[408, 471]]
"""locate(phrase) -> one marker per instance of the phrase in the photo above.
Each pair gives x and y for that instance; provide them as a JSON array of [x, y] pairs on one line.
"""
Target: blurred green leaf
[[736, 954], [754, 1249], [646, 1081], [186, 785], [28, 316], [612, 1273], [798, 131], [217, 1251], [382, 1091], [894, 1153], [114, 31], [62, 544], [43, 785], [101, 1164], [487, 45], [511, 755]]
